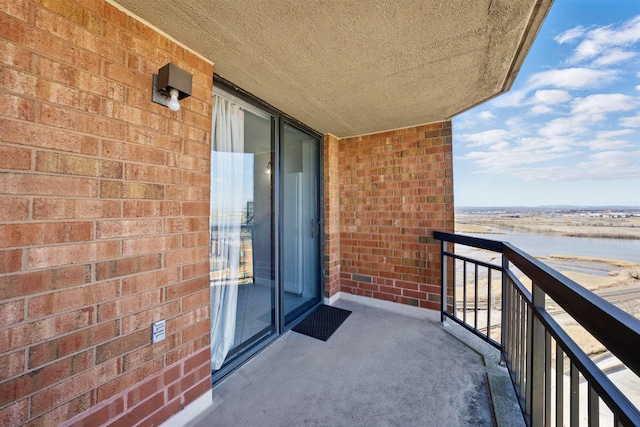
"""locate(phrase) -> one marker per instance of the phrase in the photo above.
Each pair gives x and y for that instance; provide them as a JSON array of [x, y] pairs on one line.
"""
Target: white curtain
[[227, 165]]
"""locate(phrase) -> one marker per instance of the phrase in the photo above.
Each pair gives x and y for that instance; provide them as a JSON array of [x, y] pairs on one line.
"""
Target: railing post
[[443, 280], [503, 313], [537, 355]]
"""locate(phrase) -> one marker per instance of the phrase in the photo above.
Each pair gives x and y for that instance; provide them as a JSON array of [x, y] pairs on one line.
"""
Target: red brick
[[149, 173], [186, 288], [197, 362], [127, 266], [65, 411], [60, 301], [141, 209], [14, 208], [187, 319], [125, 344], [75, 209], [143, 319], [13, 55], [11, 313], [34, 234], [49, 280], [33, 381], [189, 380], [148, 281], [10, 262], [186, 256], [144, 355], [73, 387], [102, 415], [127, 228], [14, 158], [23, 184], [72, 343], [128, 305], [15, 414], [44, 257], [45, 329], [204, 386], [75, 165], [128, 380], [40, 136], [195, 270], [141, 411], [11, 364], [80, 122], [182, 225], [196, 331], [149, 245], [122, 151], [187, 349]]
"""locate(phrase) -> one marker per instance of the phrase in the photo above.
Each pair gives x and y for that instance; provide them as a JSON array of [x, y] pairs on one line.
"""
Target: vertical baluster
[[593, 408], [537, 358], [559, 385], [443, 280], [489, 303], [523, 347], [464, 291], [453, 288], [574, 396], [504, 325], [547, 378], [517, 331], [475, 296]]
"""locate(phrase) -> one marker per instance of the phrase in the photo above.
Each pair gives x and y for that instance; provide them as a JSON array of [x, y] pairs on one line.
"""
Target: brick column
[[331, 261]]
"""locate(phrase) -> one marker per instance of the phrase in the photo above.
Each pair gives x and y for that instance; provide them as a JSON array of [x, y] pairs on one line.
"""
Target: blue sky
[[568, 131]]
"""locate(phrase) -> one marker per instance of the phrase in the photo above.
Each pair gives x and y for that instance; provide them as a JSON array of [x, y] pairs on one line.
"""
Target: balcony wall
[[383, 200], [103, 219]]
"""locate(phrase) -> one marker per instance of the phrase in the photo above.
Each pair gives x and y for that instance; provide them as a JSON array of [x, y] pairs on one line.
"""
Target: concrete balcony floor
[[379, 368]]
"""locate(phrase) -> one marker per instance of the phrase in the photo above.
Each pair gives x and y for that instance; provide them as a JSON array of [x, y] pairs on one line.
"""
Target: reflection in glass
[[241, 251]]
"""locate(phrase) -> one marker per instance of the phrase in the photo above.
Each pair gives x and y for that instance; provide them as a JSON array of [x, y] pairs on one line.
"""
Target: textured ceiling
[[361, 66]]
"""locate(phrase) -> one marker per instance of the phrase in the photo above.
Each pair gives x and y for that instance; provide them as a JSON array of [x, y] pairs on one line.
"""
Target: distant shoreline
[[559, 225]]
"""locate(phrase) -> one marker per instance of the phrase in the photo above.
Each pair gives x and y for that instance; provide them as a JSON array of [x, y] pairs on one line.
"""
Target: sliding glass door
[[265, 226], [242, 252], [301, 225]]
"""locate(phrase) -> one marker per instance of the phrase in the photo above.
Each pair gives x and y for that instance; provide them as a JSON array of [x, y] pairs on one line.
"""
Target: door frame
[[279, 118]]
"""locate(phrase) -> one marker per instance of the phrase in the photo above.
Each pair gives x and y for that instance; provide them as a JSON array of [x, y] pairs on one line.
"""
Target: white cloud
[[485, 138], [609, 140], [541, 109], [570, 35], [551, 96], [599, 104], [513, 98], [585, 112], [486, 115], [613, 57], [602, 40], [614, 164], [630, 122], [572, 78]]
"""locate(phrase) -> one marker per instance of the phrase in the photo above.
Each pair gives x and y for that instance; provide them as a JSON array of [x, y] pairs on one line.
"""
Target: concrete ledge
[[506, 408], [404, 309]]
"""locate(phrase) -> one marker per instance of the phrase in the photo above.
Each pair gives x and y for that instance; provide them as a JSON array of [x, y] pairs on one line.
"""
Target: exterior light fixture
[[170, 85], [267, 170]]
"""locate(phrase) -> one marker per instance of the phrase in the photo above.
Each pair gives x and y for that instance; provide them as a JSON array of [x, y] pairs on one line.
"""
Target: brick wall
[[104, 204], [331, 176], [395, 189]]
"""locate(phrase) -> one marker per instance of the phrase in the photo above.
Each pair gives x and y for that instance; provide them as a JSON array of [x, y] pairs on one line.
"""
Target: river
[[543, 245]]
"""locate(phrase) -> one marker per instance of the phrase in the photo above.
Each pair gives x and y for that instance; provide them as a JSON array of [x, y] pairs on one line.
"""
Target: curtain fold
[[227, 166]]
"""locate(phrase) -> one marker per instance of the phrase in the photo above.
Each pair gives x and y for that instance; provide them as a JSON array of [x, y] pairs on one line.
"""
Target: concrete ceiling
[[351, 67]]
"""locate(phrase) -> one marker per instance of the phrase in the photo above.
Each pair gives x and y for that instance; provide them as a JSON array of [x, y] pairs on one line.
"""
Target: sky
[[568, 131]]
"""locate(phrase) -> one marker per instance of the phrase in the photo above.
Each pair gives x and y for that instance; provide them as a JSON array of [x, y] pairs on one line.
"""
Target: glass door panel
[[242, 279], [300, 221]]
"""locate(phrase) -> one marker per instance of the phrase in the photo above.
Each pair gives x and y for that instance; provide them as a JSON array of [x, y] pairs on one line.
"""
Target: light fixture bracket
[[170, 77]]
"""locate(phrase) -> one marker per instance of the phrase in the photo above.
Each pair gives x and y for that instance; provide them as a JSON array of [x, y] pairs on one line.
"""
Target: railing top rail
[[491, 245], [617, 330]]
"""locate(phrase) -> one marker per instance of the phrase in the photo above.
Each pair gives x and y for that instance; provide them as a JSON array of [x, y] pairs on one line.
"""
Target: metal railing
[[489, 300]]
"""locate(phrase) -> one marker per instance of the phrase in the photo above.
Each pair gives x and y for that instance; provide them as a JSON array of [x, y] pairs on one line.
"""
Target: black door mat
[[322, 322]]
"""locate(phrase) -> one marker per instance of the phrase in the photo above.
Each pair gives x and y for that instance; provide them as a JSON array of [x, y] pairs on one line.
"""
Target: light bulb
[[174, 105], [268, 168]]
